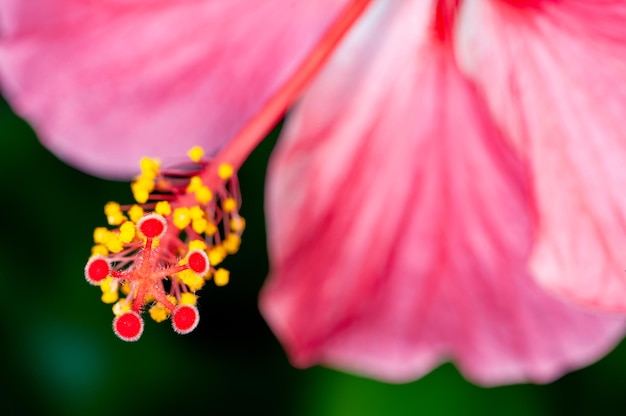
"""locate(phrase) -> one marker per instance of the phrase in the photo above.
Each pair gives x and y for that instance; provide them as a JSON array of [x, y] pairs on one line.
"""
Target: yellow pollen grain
[[109, 285], [210, 229], [229, 205], [100, 250], [112, 208], [197, 245], [204, 195], [194, 184], [221, 277], [121, 306], [125, 288], [199, 225], [144, 183], [149, 165], [135, 213], [116, 219], [195, 153], [163, 208], [141, 190], [158, 312], [216, 255], [141, 196], [181, 218], [193, 281], [231, 243], [127, 232], [225, 171], [100, 235], [196, 212], [237, 224], [188, 299], [109, 297], [115, 245]]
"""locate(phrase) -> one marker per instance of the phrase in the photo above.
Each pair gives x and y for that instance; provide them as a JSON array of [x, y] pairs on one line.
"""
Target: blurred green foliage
[[61, 357]]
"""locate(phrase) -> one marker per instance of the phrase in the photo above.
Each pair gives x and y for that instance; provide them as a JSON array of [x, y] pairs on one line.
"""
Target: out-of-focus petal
[[400, 225], [555, 77], [107, 82]]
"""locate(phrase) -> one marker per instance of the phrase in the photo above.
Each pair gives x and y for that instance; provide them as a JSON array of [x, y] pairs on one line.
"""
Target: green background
[[60, 356]]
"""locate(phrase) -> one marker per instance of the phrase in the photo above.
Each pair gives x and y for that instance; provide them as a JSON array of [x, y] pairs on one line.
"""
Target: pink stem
[[237, 151]]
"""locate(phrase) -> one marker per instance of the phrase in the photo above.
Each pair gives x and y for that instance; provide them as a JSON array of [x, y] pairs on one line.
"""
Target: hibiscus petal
[[399, 224], [107, 82], [554, 76]]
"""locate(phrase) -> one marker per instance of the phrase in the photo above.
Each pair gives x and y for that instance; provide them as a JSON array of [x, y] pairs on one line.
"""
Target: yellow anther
[[109, 297], [192, 280], [116, 219], [196, 284], [216, 255], [135, 213], [163, 207], [100, 235], [197, 245], [199, 225], [194, 184], [237, 224], [121, 306], [147, 176], [127, 232], [181, 217], [231, 243], [109, 285], [225, 171], [221, 277], [210, 229], [149, 165], [112, 208], [204, 195], [195, 153], [158, 312], [188, 299], [144, 183], [229, 205], [125, 288], [115, 245], [141, 189], [141, 195], [196, 212], [99, 249]]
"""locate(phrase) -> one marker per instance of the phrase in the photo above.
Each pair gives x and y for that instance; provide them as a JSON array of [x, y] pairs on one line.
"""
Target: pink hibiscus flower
[[448, 186]]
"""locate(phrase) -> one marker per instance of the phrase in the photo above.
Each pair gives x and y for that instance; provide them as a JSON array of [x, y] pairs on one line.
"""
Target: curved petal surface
[[400, 224], [554, 76], [107, 82]]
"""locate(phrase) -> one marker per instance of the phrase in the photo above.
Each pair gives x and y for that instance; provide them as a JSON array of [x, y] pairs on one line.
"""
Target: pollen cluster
[[157, 253]]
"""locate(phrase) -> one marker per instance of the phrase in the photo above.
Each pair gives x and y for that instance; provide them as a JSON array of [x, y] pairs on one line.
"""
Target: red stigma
[[185, 319], [128, 326], [198, 262], [152, 226], [97, 269]]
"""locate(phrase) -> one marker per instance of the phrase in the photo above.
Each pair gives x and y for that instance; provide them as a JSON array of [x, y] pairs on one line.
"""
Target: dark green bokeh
[[61, 357]]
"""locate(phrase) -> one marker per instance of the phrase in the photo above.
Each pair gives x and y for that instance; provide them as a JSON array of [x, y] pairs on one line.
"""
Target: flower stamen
[[166, 246]]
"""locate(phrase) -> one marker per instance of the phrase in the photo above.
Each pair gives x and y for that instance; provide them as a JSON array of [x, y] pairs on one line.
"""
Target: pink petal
[[400, 228], [107, 82], [554, 76]]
